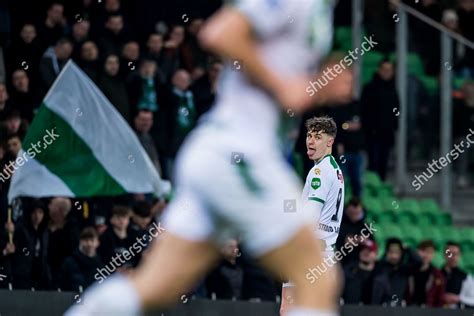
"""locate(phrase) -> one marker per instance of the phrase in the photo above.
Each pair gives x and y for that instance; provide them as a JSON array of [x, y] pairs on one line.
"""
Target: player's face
[[318, 144]]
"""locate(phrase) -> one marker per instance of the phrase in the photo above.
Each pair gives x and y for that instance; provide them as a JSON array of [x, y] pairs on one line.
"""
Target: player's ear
[[330, 141]]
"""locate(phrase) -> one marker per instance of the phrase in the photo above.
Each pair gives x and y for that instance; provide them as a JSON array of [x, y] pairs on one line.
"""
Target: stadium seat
[[425, 219], [412, 234], [392, 230], [431, 84], [467, 239], [429, 205], [442, 219], [386, 217], [433, 233], [438, 259], [371, 179], [450, 233], [414, 64], [406, 218], [410, 205]]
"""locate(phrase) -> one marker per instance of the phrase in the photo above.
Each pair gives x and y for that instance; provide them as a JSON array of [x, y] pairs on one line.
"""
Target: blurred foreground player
[[323, 194], [230, 172]]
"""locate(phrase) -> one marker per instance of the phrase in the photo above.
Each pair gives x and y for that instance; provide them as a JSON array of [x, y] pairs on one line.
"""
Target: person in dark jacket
[[28, 254], [350, 142], [113, 86], [380, 106], [119, 238], [23, 97], [115, 35], [205, 88], [426, 282], [359, 275], [353, 222], [53, 61], [89, 60], [453, 274], [391, 278], [77, 271], [64, 235], [225, 281]]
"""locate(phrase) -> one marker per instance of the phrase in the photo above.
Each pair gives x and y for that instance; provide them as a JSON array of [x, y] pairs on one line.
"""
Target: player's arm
[[230, 34]]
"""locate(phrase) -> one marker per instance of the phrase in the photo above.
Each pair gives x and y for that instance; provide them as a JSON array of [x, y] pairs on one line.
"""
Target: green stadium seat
[[424, 219], [406, 218], [372, 205], [386, 217], [433, 233], [450, 233], [467, 239], [410, 205], [442, 219], [468, 260], [392, 230], [371, 179], [438, 259], [412, 235], [429, 205]]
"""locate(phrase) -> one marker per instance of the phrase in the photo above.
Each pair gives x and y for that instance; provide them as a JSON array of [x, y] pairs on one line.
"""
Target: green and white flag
[[78, 145]]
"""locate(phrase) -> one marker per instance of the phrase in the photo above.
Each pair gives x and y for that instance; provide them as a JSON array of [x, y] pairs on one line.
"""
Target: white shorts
[[227, 190]]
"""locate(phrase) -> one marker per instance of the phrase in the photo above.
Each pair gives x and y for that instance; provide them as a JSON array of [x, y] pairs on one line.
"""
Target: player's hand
[[292, 94], [10, 227], [9, 249]]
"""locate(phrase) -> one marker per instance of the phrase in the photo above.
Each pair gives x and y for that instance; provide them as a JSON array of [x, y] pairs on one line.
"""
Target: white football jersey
[[323, 198], [293, 36]]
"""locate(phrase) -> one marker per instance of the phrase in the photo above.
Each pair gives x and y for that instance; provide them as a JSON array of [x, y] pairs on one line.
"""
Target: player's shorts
[[227, 190]]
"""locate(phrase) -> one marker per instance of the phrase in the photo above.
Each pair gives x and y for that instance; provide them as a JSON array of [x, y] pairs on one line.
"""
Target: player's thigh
[[171, 268]]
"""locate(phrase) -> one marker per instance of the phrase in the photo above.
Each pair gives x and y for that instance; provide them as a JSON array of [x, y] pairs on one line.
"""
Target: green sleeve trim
[[313, 198], [333, 162]]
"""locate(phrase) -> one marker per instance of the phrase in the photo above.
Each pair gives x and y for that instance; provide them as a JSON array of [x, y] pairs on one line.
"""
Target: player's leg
[[171, 269], [294, 259], [287, 298]]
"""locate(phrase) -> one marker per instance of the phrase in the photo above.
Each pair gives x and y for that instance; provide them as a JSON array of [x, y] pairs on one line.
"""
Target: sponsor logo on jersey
[[328, 229], [315, 183], [317, 171]]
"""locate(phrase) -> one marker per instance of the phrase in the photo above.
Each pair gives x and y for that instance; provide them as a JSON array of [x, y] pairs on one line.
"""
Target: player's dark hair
[[324, 124], [425, 244], [142, 209]]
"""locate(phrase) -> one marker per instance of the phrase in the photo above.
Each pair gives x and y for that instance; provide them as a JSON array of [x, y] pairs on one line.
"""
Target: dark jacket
[[111, 245], [390, 284], [433, 288], [114, 89], [349, 228], [78, 270], [225, 281], [379, 105], [358, 284]]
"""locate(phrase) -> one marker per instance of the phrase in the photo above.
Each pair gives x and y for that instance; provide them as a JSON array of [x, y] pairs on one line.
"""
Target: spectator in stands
[[205, 88], [26, 51], [353, 222], [155, 52], [466, 25], [225, 281], [350, 142], [115, 36], [379, 102], [23, 97], [14, 124], [113, 86], [89, 60], [53, 61], [3, 102], [463, 116], [194, 58], [80, 34], [181, 116], [119, 237], [64, 235], [359, 275], [141, 218], [143, 89], [54, 26], [14, 145], [130, 58], [77, 271], [143, 123], [453, 274], [391, 278], [28, 253], [171, 61], [427, 282]]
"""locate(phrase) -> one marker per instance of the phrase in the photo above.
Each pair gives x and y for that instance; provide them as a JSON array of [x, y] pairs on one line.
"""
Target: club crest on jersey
[[340, 176], [317, 171], [315, 183]]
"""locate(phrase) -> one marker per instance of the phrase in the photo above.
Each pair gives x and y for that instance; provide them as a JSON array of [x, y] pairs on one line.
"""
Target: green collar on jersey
[[331, 160]]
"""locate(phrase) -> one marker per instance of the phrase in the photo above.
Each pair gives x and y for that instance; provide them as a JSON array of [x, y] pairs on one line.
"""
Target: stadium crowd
[[162, 82]]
